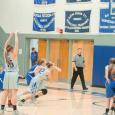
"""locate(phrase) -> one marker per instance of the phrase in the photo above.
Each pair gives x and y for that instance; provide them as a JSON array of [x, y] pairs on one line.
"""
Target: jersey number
[[42, 70], [12, 65]]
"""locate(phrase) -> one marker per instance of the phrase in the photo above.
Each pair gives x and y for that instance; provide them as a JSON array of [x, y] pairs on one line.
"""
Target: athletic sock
[[9, 102], [36, 96], [20, 94], [23, 100], [107, 110], [14, 107], [112, 108], [2, 107]]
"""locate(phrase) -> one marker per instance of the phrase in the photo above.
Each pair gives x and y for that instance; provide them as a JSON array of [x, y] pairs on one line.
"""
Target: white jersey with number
[[14, 65]]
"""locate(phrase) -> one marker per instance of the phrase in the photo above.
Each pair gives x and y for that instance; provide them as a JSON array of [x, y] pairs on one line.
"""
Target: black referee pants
[[75, 75]]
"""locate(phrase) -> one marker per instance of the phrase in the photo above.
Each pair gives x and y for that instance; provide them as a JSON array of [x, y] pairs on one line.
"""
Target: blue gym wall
[[102, 54]]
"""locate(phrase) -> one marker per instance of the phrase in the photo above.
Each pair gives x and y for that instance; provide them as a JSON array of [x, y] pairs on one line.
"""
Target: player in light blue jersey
[[42, 63], [30, 74], [11, 74], [35, 85]]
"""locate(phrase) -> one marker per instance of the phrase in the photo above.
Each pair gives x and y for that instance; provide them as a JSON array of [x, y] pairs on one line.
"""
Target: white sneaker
[[110, 112], [21, 103], [18, 97], [1, 112], [15, 112], [34, 100]]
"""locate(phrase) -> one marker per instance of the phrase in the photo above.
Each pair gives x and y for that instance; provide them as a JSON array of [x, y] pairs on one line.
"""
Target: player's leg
[[107, 106], [22, 102], [22, 93], [10, 98], [4, 97]]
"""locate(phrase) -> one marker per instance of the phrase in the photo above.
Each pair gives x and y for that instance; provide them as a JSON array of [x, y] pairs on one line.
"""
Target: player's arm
[[113, 72], [106, 72], [1, 68], [7, 42], [48, 73], [58, 69], [15, 52], [38, 68], [21, 76]]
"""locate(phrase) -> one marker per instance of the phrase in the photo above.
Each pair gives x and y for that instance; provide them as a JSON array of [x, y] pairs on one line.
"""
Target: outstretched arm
[[58, 69], [7, 42], [37, 69]]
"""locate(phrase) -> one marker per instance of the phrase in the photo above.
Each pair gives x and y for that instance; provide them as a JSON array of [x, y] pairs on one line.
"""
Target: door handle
[[59, 62]]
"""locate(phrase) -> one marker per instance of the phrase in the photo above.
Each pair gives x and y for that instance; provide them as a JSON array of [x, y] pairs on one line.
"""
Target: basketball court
[[61, 100]]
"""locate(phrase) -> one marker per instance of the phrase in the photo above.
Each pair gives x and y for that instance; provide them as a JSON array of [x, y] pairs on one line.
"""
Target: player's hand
[[11, 34], [59, 70], [108, 81], [75, 68], [17, 31], [85, 69], [21, 76]]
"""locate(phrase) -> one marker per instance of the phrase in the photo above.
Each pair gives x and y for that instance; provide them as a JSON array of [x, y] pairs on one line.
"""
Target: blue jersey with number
[[14, 65]]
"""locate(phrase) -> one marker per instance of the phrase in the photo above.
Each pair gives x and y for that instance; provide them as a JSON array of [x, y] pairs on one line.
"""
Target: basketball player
[[42, 63], [110, 87], [11, 74], [35, 84], [30, 75], [108, 78]]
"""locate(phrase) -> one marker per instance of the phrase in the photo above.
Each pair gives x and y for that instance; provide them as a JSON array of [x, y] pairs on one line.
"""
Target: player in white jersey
[[11, 74], [35, 84], [42, 88]]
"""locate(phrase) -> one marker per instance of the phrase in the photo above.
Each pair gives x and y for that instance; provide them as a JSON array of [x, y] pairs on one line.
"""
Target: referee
[[79, 64]]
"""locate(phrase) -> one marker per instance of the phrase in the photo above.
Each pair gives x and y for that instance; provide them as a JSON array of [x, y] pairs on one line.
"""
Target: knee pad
[[44, 91], [114, 101]]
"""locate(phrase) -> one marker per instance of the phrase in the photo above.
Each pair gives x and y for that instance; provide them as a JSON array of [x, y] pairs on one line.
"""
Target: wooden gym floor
[[60, 100]]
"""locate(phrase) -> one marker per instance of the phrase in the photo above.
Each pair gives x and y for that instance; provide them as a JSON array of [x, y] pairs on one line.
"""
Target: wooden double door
[[59, 55]]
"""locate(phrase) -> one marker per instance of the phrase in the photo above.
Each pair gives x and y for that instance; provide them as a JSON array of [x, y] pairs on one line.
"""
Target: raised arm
[[16, 46], [7, 42]]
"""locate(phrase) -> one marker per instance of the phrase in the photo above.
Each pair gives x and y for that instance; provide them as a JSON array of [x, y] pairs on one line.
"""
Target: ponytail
[[7, 59], [8, 49]]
